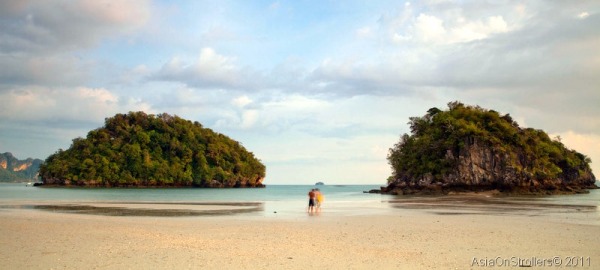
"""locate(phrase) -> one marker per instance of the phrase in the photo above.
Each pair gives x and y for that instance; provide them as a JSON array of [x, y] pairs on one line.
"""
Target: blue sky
[[318, 90]]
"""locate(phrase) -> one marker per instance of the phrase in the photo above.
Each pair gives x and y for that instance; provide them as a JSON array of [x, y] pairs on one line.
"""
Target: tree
[[139, 149], [440, 134]]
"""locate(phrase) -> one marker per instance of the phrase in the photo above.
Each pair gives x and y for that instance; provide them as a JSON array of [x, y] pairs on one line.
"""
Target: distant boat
[[319, 184]]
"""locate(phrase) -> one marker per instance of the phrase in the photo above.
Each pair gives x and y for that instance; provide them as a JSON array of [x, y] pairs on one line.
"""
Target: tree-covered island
[[145, 150], [467, 148]]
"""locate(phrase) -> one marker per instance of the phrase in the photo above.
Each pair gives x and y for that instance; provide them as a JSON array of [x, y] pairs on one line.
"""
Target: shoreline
[[482, 204], [44, 185], [440, 190], [407, 239]]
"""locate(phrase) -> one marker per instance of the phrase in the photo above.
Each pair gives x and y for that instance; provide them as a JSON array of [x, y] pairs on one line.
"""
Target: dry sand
[[34, 239]]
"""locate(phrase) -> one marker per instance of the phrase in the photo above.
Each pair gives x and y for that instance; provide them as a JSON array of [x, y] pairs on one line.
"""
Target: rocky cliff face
[[479, 167], [13, 169]]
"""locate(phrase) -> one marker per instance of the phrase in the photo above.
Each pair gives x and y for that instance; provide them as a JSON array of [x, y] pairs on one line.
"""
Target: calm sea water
[[291, 200], [277, 199], [270, 193]]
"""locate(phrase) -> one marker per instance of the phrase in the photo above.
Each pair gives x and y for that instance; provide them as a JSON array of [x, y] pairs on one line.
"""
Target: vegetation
[[138, 149], [440, 135], [8, 176], [15, 170]]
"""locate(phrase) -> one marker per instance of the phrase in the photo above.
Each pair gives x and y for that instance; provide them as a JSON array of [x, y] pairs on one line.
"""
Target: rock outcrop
[[13, 169], [471, 149], [481, 168]]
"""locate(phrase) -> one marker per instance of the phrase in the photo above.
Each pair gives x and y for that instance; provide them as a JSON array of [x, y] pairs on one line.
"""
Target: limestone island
[[145, 150], [471, 149]]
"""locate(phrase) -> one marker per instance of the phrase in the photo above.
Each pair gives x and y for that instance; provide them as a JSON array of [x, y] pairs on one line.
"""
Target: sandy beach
[[35, 239]]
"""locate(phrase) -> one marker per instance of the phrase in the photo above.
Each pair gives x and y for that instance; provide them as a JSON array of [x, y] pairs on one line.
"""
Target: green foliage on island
[[8, 176], [439, 140], [139, 149]]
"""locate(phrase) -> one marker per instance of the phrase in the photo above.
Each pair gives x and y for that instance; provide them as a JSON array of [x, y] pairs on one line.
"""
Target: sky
[[317, 90]]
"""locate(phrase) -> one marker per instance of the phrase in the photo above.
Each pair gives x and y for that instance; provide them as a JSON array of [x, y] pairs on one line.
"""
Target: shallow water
[[270, 193], [275, 200], [291, 201], [577, 208]]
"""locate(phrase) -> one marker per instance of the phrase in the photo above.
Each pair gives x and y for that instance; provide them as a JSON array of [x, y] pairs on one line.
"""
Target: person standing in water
[[311, 200], [318, 199]]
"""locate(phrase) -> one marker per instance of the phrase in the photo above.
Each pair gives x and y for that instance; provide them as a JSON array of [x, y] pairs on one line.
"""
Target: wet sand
[[152, 209], [403, 239]]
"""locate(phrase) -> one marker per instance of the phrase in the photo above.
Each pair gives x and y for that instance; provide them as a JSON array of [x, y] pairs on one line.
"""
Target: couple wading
[[315, 198]]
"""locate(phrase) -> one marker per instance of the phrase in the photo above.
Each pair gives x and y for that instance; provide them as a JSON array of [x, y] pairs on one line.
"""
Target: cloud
[[302, 86], [51, 26], [545, 60], [36, 121], [583, 15], [242, 115], [43, 41], [81, 104], [430, 29], [294, 157], [209, 70], [48, 70], [241, 101]]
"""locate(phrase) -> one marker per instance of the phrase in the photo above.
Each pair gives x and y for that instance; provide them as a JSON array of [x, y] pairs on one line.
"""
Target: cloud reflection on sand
[[153, 209], [497, 205]]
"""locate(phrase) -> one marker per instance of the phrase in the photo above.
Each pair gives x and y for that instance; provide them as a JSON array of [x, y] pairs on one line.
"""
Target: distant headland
[[13, 169], [468, 148], [145, 150]]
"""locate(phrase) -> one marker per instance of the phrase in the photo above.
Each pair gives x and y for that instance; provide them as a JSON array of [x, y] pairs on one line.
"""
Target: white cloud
[[241, 101], [295, 157], [583, 15], [216, 68], [479, 30], [210, 70], [135, 75], [43, 70], [299, 96], [249, 118], [290, 107], [36, 121], [43, 41], [80, 104], [301, 133], [430, 28], [54, 26]]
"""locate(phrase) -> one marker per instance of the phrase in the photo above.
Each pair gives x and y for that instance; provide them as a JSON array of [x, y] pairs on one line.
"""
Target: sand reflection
[[167, 209], [489, 205]]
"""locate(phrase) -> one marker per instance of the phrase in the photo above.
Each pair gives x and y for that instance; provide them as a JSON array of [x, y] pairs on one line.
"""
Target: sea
[[290, 201]]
